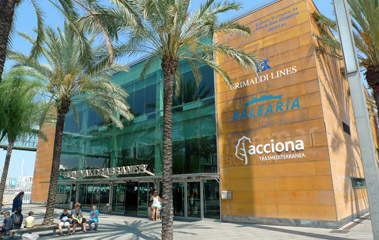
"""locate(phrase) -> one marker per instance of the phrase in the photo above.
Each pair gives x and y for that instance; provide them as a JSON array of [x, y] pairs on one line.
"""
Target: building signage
[[293, 149], [263, 66], [103, 172], [278, 21], [264, 109], [265, 77]]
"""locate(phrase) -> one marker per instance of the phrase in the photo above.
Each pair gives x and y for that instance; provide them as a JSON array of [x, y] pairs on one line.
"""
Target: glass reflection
[[118, 198], [211, 199], [100, 145], [178, 197], [193, 199]]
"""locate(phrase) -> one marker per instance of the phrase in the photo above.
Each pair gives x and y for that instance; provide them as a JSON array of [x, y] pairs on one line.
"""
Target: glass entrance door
[[73, 193], [144, 190], [96, 195], [179, 198], [118, 198], [211, 198], [193, 199], [131, 198]]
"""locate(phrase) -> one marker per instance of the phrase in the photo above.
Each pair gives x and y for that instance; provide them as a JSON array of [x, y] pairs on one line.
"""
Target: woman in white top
[[155, 205]]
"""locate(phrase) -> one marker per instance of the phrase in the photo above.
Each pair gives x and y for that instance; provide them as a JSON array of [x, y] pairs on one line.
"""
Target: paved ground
[[125, 228]]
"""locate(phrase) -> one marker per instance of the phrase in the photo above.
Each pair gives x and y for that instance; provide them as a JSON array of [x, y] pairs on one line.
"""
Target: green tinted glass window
[[98, 145]]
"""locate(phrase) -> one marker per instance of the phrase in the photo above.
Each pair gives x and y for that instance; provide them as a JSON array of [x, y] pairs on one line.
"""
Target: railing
[[26, 143]]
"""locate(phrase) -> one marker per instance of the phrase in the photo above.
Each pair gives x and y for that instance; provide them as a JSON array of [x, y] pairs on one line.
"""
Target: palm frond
[[234, 28], [177, 82], [37, 45], [327, 43], [68, 75], [196, 71], [212, 64], [76, 115], [146, 67], [19, 112]]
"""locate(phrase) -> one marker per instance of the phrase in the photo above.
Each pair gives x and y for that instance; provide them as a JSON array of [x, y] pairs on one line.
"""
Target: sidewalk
[[133, 228]]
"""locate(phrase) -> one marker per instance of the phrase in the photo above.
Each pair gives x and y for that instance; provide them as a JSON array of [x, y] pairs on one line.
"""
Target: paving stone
[[135, 228]]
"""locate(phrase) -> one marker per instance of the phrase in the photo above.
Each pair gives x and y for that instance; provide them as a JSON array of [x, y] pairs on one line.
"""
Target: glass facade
[[92, 143], [211, 199], [94, 194]]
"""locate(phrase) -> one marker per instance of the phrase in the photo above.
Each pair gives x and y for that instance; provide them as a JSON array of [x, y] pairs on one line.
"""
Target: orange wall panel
[[42, 166], [294, 188]]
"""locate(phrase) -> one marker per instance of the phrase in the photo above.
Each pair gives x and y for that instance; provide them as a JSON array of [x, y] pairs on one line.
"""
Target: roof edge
[[252, 10]]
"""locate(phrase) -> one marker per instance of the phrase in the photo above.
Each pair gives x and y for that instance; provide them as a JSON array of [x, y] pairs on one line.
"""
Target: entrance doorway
[[136, 198], [144, 191], [194, 199], [131, 198], [179, 198]]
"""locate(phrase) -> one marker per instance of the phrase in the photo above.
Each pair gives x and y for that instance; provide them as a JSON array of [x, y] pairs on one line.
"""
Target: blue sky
[[26, 21]]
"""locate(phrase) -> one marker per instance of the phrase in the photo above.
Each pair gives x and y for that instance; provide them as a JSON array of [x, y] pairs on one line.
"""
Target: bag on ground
[[30, 236]]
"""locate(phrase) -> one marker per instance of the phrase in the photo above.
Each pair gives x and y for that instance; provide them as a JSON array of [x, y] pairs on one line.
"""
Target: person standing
[[192, 203], [155, 199], [17, 201]]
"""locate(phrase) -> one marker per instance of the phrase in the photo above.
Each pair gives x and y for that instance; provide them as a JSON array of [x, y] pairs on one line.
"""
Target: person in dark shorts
[[7, 224], [93, 218], [77, 218]]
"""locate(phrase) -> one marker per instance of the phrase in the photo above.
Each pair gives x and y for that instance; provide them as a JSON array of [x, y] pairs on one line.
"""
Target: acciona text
[[279, 147]]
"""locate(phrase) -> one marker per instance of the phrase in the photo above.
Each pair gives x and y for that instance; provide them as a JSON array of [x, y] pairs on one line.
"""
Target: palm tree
[[71, 77], [7, 11], [365, 22], [167, 30], [18, 115]]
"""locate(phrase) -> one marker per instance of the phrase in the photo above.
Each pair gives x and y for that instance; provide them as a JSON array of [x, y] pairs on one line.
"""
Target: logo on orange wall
[[241, 152], [265, 109], [263, 66], [293, 149]]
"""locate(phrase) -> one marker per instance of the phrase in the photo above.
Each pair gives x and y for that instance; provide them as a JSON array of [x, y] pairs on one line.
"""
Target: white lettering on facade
[[273, 147], [135, 169], [265, 77]]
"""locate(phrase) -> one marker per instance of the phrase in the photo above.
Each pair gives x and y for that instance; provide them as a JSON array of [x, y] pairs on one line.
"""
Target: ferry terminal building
[[278, 148]]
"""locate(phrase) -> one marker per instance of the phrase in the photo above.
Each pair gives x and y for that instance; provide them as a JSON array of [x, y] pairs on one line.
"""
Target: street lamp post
[[366, 143]]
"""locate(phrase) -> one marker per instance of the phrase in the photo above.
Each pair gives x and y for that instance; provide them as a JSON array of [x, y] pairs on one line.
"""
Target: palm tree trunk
[[7, 8], [372, 78], [169, 66], [52, 195], [5, 171]]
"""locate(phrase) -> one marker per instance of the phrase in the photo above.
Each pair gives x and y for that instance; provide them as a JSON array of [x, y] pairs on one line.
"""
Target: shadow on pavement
[[294, 232]]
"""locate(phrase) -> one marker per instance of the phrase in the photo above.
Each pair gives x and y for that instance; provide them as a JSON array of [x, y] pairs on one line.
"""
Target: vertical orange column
[[42, 168]]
